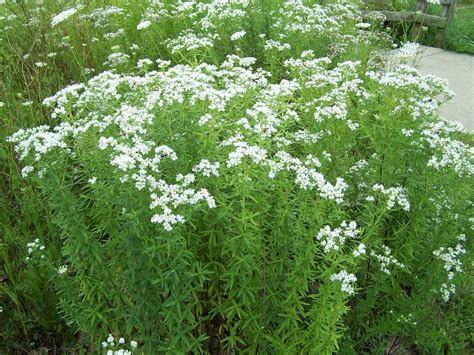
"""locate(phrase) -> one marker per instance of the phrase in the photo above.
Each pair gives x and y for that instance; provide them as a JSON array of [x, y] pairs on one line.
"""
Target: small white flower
[[143, 63], [116, 59], [408, 49], [92, 180], [133, 344], [363, 25], [346, 280], [237, 35], [334, 239], [386, 259], [396, 196], [452, 263], [162, 64], [121, 340], [26, 171], [204, 119], [360, 250], [63, 16], [62, 270], [144, 24]]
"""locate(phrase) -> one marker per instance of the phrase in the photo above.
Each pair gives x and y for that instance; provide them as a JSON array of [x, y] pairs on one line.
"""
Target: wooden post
[[447, 11], [416, 31]]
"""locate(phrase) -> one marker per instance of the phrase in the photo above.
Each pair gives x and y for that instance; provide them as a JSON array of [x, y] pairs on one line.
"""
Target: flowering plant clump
[[191, 192], [261, 186], [35, 249]]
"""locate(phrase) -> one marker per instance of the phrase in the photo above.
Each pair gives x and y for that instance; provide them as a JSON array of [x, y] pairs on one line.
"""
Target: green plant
[[235, 185]]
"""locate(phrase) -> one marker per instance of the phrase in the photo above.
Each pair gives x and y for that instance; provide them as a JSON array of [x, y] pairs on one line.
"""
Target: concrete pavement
[[459, 70]]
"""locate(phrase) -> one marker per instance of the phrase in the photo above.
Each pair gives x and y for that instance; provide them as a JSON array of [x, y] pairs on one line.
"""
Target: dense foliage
[[227, 176]]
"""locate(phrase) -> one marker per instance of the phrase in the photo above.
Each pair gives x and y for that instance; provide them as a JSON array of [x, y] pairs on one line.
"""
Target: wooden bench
[[419, 19]]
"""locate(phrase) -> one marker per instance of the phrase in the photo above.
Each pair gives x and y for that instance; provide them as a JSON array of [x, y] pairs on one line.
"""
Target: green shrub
[[275, 193], [192, 199]]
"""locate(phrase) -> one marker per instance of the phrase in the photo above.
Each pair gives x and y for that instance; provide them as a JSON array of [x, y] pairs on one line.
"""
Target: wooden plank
[[412, 17]]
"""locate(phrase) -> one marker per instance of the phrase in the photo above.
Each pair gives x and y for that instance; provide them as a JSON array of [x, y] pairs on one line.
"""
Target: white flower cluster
[[204, 119], [363, 25], [297, 18], [447, 290], [64, 15], [347, 280], [237, 35], [386, 259], [428, 87], [114, 348], [207, 20], [112, 35], [449, 152], [333, 104], [308, 137], [243, 149], [138, 158], [206, 168], [307, 175], [408, 49], [334, 239], [35, 248], [407, 132], [376, 17], [271, 44], [189, 41], [176, 195], [62, 269], [132, 153], [360, 250], [116, 59], [143, 25], [358, 166], [396, 196], [101, 16], [408, 319], [144, 63], [452, 263], [26, 170], [61, 99]]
